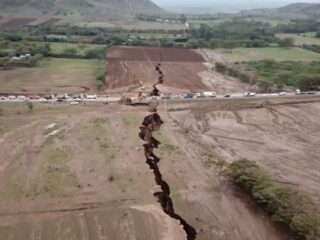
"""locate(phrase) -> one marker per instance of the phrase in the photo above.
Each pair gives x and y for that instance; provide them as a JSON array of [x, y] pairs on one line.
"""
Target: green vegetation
[[239, 33], [165, 146], [300, 39], [101, 75], [269, 73], [276, 53], [286, 73], [287, 206], [71, 50]]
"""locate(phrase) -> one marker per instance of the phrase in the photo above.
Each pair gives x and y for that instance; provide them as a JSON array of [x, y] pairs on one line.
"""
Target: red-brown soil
[[130, 69], [50, 22], [17, 22]]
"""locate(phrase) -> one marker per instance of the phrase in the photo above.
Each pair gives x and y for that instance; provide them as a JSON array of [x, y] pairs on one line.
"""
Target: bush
[[286, 205], [221, 67]]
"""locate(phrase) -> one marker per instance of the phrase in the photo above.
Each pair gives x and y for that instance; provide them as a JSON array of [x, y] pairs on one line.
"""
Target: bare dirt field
[[79, 172], [50, 22], [130, 68], [17, 22], [282, 138]]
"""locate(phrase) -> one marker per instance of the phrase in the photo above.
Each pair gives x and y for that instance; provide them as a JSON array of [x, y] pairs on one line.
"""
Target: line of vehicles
[[77, 98]]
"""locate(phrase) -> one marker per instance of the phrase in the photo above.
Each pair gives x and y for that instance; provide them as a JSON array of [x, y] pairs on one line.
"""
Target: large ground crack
[[150, 124]]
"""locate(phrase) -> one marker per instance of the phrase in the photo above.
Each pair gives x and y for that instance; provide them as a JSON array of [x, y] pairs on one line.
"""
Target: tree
[[183, 18], [282, 79], [287, 42], [318, 34], [265, 85], [229, 45], [221, 67], [308, 82]]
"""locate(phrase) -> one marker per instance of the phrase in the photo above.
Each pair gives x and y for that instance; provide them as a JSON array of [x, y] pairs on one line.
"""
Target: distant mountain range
[[295, 10], [92, 9]]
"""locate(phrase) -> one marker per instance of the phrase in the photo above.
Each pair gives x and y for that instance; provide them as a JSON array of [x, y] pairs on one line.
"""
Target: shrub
[[221, 67], [286, 205]]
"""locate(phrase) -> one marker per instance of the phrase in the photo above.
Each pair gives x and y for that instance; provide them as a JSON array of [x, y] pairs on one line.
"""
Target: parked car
[[12, 97], [74, 103], [91, 96], [249, 94], [199, 95], [282, 93], [227, 96], [188, 96]]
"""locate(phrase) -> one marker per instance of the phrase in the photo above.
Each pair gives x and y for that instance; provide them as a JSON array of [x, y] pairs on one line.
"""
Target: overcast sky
[[225, 4]]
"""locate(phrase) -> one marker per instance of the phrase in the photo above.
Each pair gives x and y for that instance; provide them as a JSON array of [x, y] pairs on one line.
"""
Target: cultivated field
[[72, 172], [276, 53], [301, 39], [17, 22], [50, 22], [130, 68], [51, 76]]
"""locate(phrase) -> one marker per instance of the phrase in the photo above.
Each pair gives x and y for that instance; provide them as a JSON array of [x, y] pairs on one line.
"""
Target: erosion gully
[[150, 124]]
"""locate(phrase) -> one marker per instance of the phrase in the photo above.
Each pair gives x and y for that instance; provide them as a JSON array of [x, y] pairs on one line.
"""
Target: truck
[[210, 94]]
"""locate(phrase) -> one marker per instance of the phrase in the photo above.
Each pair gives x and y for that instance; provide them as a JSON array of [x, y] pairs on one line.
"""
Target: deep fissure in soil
[[150, 124]]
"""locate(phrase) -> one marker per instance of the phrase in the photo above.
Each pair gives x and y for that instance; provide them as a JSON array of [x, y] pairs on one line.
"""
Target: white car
[[74, 103], [249, 94], [43, 100], [282, 93], [11, 97], [91, 96], [21, 97]]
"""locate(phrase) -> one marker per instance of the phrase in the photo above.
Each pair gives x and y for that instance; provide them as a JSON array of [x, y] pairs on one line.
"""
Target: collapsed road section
[[150, 124]]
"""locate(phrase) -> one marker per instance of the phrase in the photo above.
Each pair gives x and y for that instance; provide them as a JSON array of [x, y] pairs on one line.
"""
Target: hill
[[88, 9], [295, 10]]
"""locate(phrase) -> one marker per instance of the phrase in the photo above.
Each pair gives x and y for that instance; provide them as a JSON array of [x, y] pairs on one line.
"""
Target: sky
[[223, 5]]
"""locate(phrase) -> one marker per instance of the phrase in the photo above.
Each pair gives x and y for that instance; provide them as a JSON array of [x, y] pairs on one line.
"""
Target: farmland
[[133, 68], [301, 38], [278, 54], [52, 75], [96, 153], [17, 22]]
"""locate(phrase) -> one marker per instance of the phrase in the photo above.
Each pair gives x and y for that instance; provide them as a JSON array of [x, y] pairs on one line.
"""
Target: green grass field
[[55, 75], [301, 39], [81, 49], [275, 53]]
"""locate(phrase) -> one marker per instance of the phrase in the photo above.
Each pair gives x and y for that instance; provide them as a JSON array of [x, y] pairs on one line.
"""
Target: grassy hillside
[[87, 9], [295, 10]]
